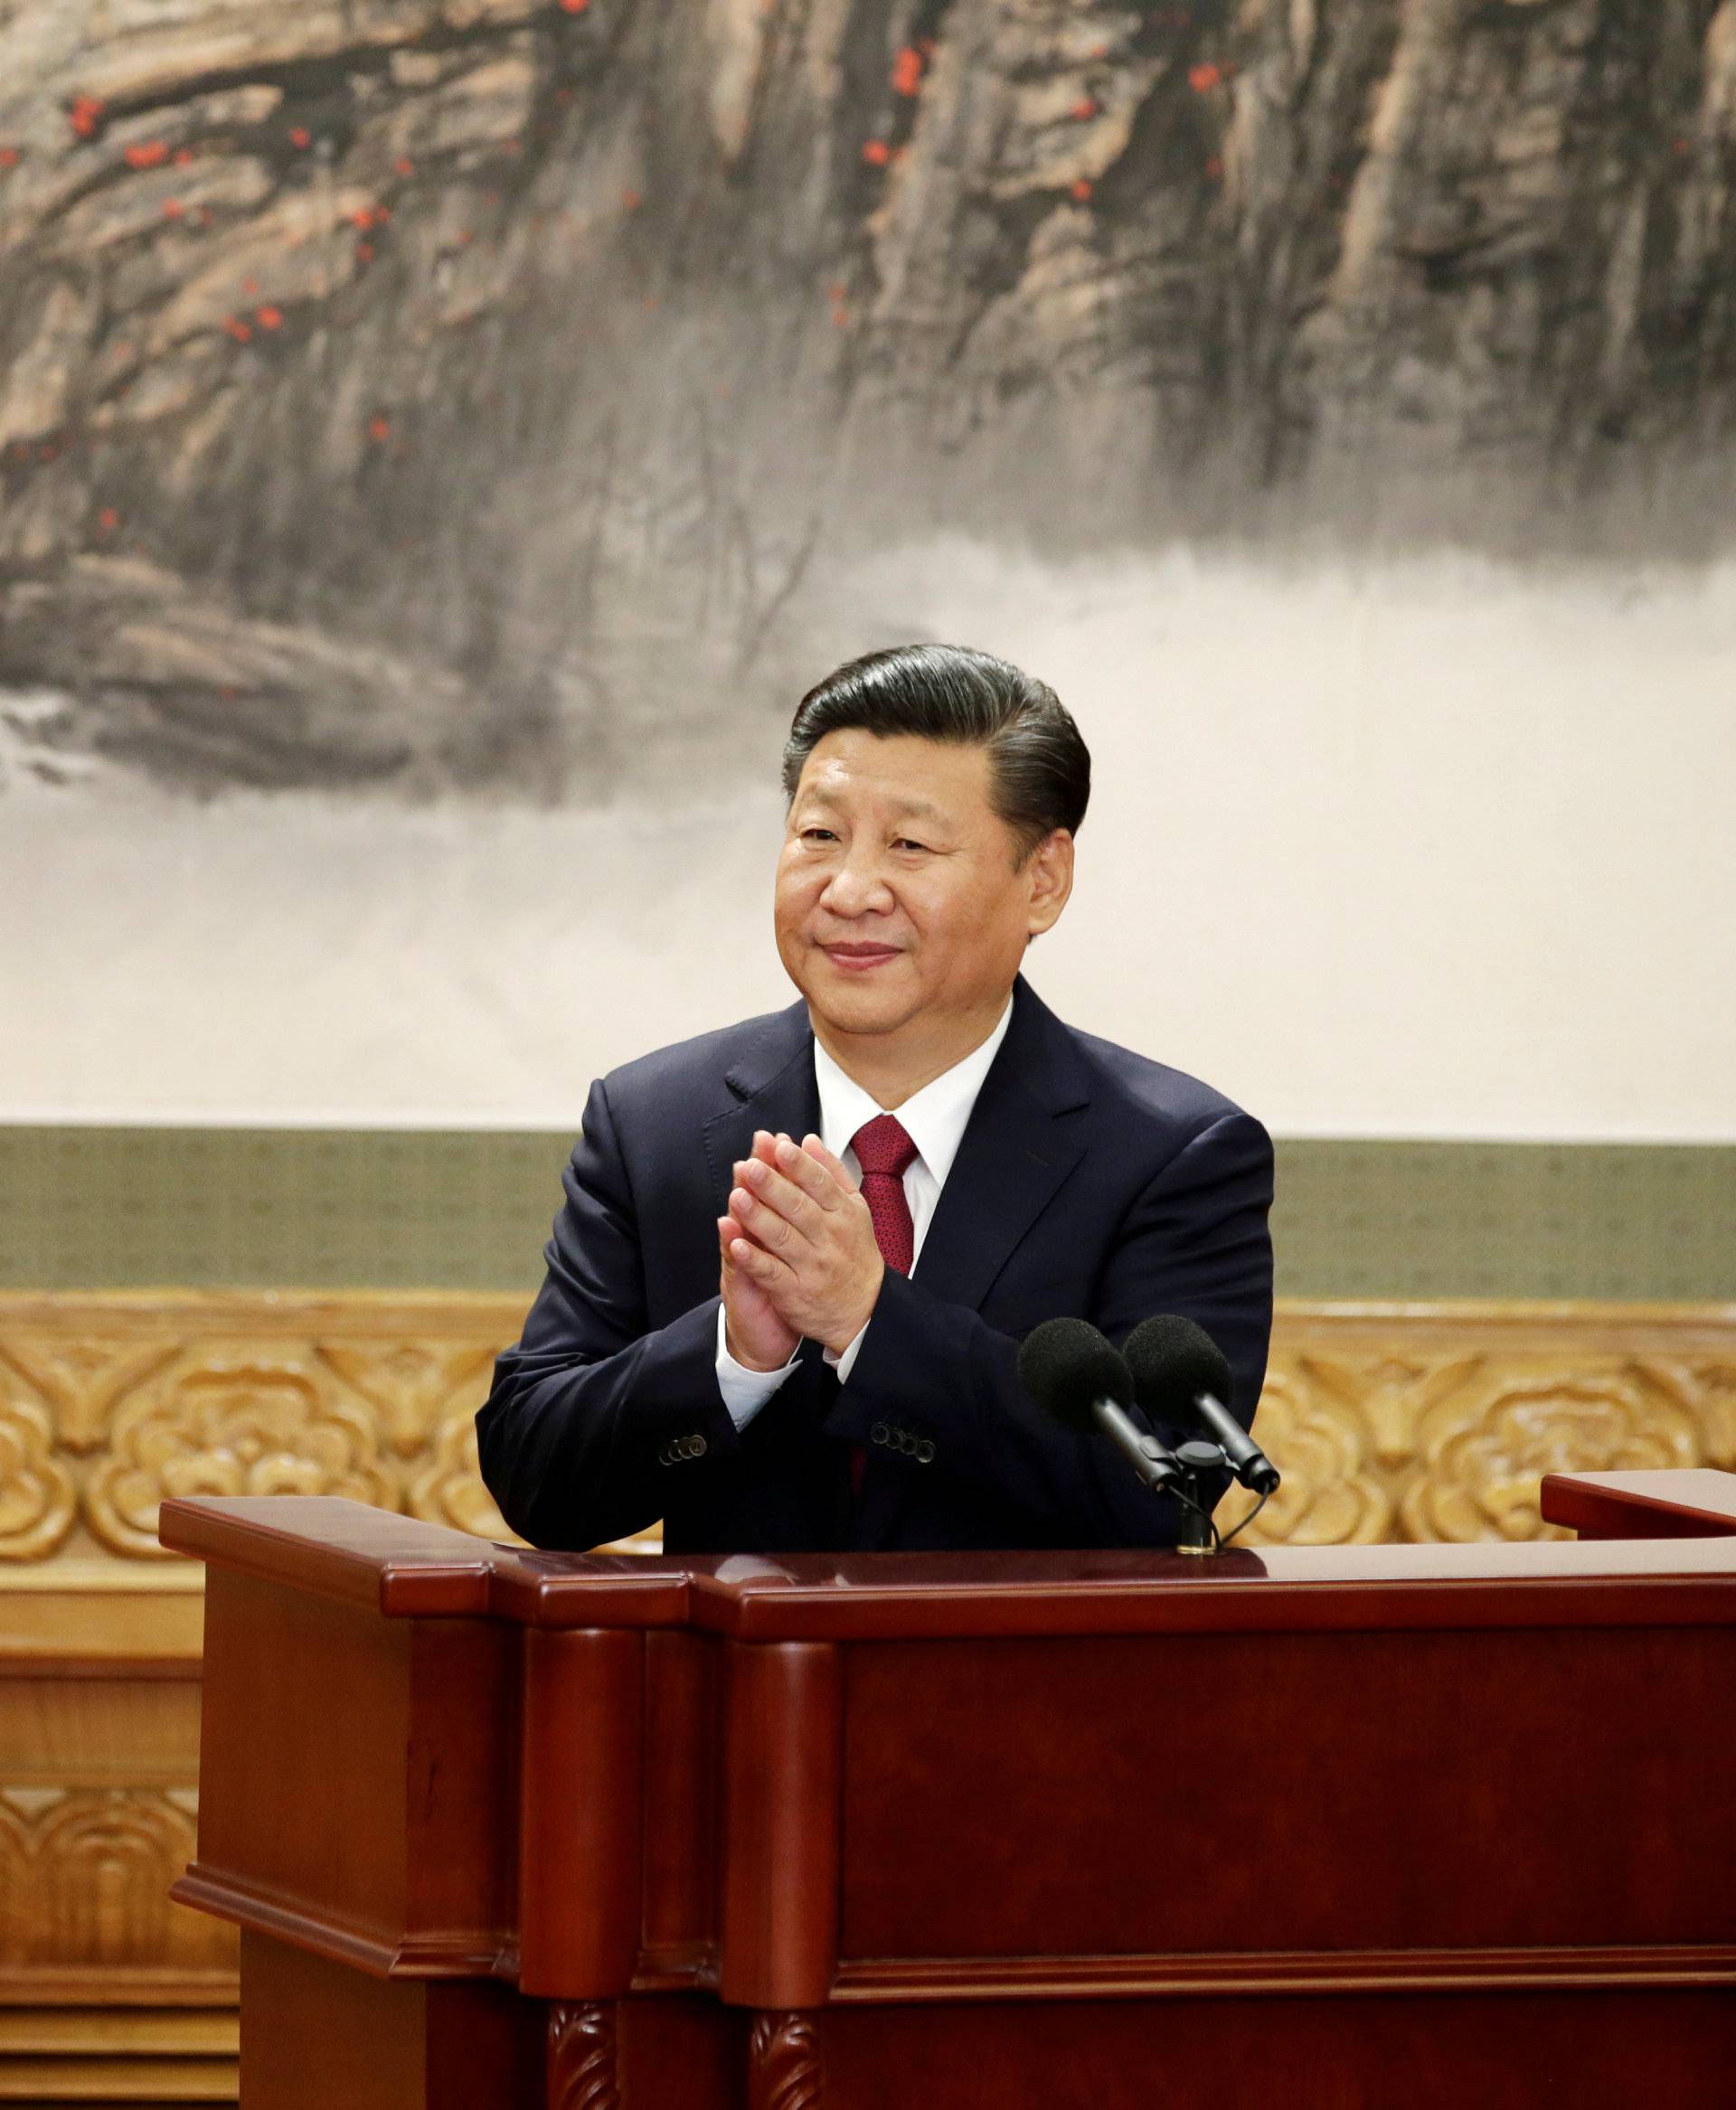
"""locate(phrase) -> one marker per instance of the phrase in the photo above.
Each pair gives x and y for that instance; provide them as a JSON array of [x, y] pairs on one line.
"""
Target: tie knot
[[881, 1145]]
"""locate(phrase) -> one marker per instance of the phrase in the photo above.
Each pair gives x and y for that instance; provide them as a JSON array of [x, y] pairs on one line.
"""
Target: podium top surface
[[405, 1569]]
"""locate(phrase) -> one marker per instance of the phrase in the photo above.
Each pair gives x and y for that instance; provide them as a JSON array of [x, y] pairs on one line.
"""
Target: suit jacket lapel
[[772, 1087], [1016, 1150]]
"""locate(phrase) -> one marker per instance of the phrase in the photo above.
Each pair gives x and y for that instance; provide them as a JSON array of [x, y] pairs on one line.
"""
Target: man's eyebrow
[[924, 806]]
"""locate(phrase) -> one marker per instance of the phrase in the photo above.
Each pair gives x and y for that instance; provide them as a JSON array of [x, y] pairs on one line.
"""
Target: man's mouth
[[859, 958]]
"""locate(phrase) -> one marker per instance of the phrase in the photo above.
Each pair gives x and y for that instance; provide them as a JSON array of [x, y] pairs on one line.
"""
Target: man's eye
[[818, 836], [909, 843]]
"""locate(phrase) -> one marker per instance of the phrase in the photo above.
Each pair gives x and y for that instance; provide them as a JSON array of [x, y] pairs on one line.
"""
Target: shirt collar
[[935, 1118]]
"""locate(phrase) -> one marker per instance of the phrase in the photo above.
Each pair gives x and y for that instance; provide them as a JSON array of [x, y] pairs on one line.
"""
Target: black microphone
[[1082, 1379], [1180, 1376]]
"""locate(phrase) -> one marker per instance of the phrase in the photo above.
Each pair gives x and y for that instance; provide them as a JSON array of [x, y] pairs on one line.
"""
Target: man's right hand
[[752, 1331]]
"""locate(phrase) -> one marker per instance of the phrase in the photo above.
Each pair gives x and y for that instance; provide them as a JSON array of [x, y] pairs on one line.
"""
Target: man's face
[[898, 894]]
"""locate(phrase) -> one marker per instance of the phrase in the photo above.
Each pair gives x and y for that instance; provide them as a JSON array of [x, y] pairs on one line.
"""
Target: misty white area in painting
[[1431, 848]]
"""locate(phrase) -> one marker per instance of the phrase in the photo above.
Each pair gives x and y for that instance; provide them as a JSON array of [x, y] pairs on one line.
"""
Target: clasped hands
[[799, 1258]]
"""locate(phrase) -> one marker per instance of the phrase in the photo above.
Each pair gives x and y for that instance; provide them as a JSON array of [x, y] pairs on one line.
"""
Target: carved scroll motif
[[584, 2069], [450, 1491], [229, 1422], [1413, 1423], [85, 1875], [784, 2070], [37, 1498], [1488, 1449]]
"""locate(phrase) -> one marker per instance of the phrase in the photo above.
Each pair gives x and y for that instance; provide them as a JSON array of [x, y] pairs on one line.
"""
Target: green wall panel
[[116, 1208]]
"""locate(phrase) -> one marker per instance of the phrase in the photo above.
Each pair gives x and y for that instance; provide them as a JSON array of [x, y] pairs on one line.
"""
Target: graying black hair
[[1040, 767]]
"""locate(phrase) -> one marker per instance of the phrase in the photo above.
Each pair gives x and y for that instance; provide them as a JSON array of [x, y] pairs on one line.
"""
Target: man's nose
[[858, 887]]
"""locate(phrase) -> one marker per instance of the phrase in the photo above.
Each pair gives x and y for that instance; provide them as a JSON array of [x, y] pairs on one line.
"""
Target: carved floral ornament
[[1410, 1424], [96, 1431], [86, 1874]]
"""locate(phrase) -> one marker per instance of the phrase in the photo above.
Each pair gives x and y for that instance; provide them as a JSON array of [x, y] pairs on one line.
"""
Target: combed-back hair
[[1040, 770]]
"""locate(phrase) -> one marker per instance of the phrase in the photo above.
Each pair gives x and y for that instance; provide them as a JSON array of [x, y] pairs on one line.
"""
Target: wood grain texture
[[686, 1677], [398, 1859], [314, 2032], [1014, 1844], [581, 1817], [1434, 2051], [783, 1823], [1353, 1793]]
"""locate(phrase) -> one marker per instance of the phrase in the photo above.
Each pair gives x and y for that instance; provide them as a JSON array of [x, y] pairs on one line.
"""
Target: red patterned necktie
[[885, 1153]]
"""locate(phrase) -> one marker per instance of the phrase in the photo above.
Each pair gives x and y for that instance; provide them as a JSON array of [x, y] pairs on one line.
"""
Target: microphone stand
[[1183, 1473], [1190, 1463]]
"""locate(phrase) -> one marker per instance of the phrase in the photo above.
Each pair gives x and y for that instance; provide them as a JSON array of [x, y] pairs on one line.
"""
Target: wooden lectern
[[1369, 1828]]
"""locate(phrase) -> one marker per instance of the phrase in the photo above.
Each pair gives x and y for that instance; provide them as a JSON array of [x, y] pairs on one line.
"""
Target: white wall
[[1433, 849]]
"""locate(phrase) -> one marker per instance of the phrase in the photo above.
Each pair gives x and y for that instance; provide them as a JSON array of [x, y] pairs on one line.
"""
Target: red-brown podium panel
[[1694, 1503], [1370, 1826]]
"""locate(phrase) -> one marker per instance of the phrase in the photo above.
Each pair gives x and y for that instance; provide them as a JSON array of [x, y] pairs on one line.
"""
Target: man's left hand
[[806, 1239]]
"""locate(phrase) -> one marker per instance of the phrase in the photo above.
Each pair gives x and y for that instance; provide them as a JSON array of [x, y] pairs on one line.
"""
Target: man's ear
[[1049, 875]]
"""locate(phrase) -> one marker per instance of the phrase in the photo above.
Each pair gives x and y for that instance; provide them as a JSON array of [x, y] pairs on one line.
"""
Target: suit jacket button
[[664, 1458], [906, 1443], [925, 1453], [880, 1433], [696, 1446]]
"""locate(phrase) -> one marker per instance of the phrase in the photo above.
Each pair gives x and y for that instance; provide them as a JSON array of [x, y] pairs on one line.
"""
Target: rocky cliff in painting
[[409, 394]]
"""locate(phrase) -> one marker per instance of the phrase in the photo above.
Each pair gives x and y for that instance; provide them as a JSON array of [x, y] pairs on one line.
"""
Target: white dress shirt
[[934, 1119]]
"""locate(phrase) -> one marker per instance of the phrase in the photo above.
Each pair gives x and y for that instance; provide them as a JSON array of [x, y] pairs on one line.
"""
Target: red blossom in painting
[[404, 165], [365, 252], [876, 153], [241, 332], [183, 157], [907, 71], [379, 430], [8, 157], [1081, 191], [108, 520], [300, 136], [1086, 106], [574, 7], [85, 114], [269, 317], [147, 154], [631, 201], [172, 208], [1202, 78]]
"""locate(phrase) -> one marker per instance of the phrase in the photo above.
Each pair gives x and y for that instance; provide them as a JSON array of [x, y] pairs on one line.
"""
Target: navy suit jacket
[[1089, 1182]]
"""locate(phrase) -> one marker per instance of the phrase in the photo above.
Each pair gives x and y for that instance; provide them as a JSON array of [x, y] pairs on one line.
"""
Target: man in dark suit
[[785, 1294]]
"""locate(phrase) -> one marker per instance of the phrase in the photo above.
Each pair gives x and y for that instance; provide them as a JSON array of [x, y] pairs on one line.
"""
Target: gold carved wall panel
[[1389, 1422], [107, 1403], [1418, 1422], [1438, 1422]]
